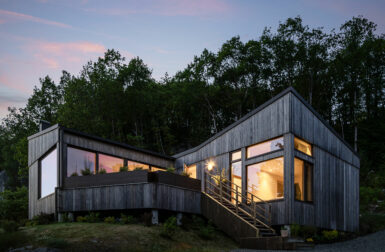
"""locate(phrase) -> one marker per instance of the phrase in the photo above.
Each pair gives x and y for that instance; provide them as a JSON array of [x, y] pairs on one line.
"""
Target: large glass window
[[109, 163], [80, 162], [265, 147], [302, 146], [154, 169], [265, 179], [48, 174], [132, 165], [236, 175], [191, 170], [303, 180]]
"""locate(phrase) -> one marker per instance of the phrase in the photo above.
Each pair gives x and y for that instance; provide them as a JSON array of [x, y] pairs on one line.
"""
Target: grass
[[112, 237]]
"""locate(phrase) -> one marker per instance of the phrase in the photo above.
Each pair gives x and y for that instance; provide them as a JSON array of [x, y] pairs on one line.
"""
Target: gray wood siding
[[129, 196], [306, 125], [35, 205], [39, 145], [106, 148]]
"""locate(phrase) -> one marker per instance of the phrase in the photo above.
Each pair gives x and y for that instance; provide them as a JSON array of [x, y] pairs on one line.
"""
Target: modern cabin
[[280, 164]]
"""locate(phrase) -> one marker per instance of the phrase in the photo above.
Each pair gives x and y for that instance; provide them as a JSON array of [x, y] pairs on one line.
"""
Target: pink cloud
[[10, 15], [170, 8]]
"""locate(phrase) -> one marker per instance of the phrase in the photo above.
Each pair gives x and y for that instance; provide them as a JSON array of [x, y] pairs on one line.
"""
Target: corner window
[[109, 163], [302, 146], [80, 162], [265, 147], [265, 179], [303, 180], [48, 174], [191, 170], [236, 175]]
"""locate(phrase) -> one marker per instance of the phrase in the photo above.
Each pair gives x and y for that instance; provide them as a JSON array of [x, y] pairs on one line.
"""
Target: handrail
[[234, 196]]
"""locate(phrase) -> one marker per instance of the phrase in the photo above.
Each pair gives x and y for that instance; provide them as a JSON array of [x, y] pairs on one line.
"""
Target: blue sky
[[44, 37]]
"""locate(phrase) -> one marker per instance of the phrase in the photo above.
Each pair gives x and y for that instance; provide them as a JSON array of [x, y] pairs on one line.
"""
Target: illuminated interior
[[48, 174], [265, 179], [154, 169], [265, 147], [303, 180], [191, 170], [236, 155], [109, 163], [302, 146], [79, 160], [132, 165]]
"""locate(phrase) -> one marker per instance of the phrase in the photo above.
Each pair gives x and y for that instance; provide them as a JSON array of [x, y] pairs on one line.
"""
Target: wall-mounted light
[[210, 165]]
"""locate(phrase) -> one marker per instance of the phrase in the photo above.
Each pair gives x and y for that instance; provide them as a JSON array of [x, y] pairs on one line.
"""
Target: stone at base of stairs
[[273, 243]]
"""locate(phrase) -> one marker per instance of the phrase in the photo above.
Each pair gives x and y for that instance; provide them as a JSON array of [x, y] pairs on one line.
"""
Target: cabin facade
[[280, 164]]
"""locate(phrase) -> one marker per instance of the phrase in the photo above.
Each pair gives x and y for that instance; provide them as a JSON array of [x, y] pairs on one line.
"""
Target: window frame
[[283, 174], [304, 181], [247, 147], [39, 171], [231, 170]]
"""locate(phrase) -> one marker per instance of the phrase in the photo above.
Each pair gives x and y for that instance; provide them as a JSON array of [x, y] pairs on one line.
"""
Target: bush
[[330, 235], [86, 172], [92, 217], [14, 204], [184, 173], [102, 171], [206, 232], [295, 230], [110, 220], [169, 228], [123, 169], [42, 219], [12, 239], [81, 219], [138, 168], [10, 226], [302, 231], [127, 219], [370, 223], [74, 174], [170, 169]]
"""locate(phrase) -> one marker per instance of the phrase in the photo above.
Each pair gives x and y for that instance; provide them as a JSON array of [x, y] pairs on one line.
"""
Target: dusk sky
[[44, 37]]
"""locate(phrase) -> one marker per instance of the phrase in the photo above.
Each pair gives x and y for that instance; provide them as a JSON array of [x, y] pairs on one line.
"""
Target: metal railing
[[248, 204]]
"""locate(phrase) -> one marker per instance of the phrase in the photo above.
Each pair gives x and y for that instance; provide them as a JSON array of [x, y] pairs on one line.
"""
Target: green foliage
[[371, 198], [74, 174], [330, 235], [123, 169], [303, 231], [127, 219], [9, 225], [170, 170], [41, 219], [370, 223], [12, 240], [110, 220], [169, 227], [138, 168], [81, 219], [92, 217], [14, 204], [102, 171], [86, 171], [207, 232], [184, 173]]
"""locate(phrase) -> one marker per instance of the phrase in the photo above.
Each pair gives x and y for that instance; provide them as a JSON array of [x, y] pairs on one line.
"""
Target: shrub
[[206, 232], [184, 173], [170, 169], [86, 172], [169, 227], [138, 168], [370, 223], [123, 169], [14, 204], [295, 230], [109, 220], [127, 219], [74, 174], [42, 219], [102, 171], [330, 235], [10, 226], [92, 217], [81, 219], [12, 239]]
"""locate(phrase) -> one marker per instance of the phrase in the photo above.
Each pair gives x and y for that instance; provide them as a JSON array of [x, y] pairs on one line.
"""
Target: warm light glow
[[210, 165]]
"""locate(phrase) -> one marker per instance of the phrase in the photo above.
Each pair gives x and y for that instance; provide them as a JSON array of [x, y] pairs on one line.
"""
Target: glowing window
[[191, 170], [265, 179], [302, 146], [109, 163], [265, 147], [303, 180], [48, 174], [132, 165], [80, 162], [236, 155], [153, 169]]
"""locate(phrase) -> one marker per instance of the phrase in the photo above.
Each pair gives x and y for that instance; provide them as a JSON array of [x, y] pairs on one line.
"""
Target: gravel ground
[[372, 242]]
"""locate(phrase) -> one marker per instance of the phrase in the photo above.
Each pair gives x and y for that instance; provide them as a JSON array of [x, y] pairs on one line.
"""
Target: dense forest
[[341, 73]]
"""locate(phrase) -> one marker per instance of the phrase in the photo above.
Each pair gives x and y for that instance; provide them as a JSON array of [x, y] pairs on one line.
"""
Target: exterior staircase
[[251, 210]]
